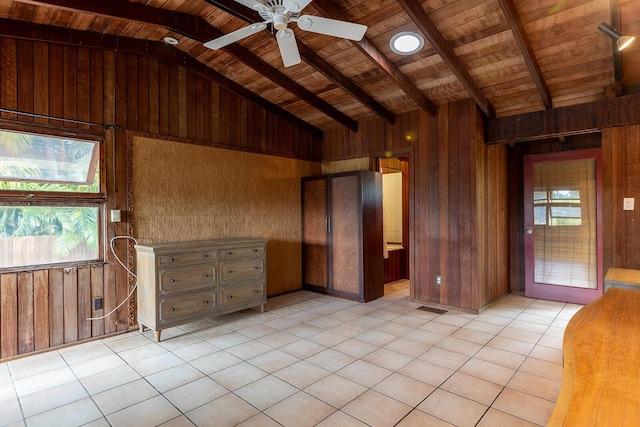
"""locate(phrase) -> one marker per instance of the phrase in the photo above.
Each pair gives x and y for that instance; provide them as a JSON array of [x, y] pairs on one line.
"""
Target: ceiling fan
[[280, 13]]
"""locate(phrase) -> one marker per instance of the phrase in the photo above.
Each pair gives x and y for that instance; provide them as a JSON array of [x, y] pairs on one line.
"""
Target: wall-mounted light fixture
[[406, 43], [622, 41]]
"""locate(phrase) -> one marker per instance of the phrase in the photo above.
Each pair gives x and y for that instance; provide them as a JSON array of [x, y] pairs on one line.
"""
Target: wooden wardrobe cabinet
[[342, 251]]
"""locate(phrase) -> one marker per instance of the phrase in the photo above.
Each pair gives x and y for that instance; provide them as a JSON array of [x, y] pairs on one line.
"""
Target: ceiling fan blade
[[235, 36], [296, 5], [288, 47], [251, 4], [332, 27]]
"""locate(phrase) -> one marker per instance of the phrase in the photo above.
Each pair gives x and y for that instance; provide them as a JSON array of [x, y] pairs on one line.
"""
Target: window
[[557, 207], [51, 200]]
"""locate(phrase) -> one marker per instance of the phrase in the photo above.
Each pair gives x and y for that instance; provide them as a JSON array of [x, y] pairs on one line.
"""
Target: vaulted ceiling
[[509, 56]]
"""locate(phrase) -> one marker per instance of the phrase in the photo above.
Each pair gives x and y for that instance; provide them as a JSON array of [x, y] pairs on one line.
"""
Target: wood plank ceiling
[[509, 56]]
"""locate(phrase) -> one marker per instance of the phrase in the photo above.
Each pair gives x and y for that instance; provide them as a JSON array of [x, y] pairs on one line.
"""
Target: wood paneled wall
[[621, 179], [113, 93], [458, 200]]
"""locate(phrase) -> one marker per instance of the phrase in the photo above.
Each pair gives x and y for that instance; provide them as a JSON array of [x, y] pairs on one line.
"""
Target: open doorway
[[395, 202]]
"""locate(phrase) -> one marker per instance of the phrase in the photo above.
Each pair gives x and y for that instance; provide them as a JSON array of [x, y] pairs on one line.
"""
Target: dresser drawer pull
[[206, 275], [255, 267], [172, 309], [229, 296], [173, 280], [255, 291], [206, 301], [230, 271], [206, 256], [171, 259], [229, 253], [255, 250]]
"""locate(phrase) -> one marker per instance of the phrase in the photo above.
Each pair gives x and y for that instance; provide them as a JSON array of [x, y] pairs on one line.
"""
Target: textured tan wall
[[191, 192], [338, 166]]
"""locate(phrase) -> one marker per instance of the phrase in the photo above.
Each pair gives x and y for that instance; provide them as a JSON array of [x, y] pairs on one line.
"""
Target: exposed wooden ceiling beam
[[331, 10], [154, 49], [617, 55], [197, 29], [572, 120], [312, 59], [428, 29], [517, 28]]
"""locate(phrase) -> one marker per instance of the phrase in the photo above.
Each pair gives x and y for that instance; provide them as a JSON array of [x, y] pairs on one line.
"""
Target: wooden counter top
[[601, 380]]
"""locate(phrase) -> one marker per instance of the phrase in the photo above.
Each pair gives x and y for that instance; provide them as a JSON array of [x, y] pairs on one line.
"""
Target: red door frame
[[556, 292]]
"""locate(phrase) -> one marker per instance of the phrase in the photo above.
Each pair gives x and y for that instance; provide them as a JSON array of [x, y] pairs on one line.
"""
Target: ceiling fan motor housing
[[274, 8]]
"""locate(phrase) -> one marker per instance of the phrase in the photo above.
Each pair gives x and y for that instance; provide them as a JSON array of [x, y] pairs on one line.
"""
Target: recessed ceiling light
[[406, 43], [171, 40]]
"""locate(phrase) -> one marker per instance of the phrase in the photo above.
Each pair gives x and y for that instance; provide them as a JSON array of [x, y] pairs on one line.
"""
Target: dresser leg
[[141, 327], [261, 308], [157, 333]]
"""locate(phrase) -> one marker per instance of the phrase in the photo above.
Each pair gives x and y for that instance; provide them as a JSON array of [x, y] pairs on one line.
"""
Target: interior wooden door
[[563, 232], [346, 234], [315, 244]]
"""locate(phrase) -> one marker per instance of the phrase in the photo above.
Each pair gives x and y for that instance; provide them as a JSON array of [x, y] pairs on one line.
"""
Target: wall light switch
[[628, 204], [116, 215]]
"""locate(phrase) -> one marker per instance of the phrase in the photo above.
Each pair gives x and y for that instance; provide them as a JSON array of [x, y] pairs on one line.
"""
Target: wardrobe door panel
[[345, 232], [314, 232]]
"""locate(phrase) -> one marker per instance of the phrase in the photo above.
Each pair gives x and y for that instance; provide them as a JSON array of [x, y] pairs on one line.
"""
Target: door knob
[[529, 231]]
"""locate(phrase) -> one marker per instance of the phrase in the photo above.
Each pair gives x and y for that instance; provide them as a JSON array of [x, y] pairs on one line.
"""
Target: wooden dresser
[[179, 282]]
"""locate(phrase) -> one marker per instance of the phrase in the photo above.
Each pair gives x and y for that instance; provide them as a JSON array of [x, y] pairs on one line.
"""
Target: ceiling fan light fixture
[[406, 43], [280, 22], [621, 41]]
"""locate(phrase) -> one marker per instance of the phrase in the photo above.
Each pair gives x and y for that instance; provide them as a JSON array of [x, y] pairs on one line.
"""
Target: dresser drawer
[[187, 257], [242, 294], [241, 252], [183, 306], [186, 278], [233, 271]]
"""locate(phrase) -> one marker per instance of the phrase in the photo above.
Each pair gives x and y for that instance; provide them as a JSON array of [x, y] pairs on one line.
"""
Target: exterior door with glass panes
[[562, 225]]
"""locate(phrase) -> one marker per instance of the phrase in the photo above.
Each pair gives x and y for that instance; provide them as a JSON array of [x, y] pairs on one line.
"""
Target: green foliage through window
[[33, 230], [557, 207]]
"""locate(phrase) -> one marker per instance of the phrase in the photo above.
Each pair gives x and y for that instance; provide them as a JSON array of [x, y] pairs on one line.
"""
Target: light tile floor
[[308, 360]]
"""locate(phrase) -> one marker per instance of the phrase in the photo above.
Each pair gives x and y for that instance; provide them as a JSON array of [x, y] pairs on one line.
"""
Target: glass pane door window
[[562, 242]]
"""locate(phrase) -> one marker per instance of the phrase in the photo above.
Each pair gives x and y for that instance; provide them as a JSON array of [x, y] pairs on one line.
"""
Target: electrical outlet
[[628, 203], [438, 280], [97, 304], [116, 215]]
